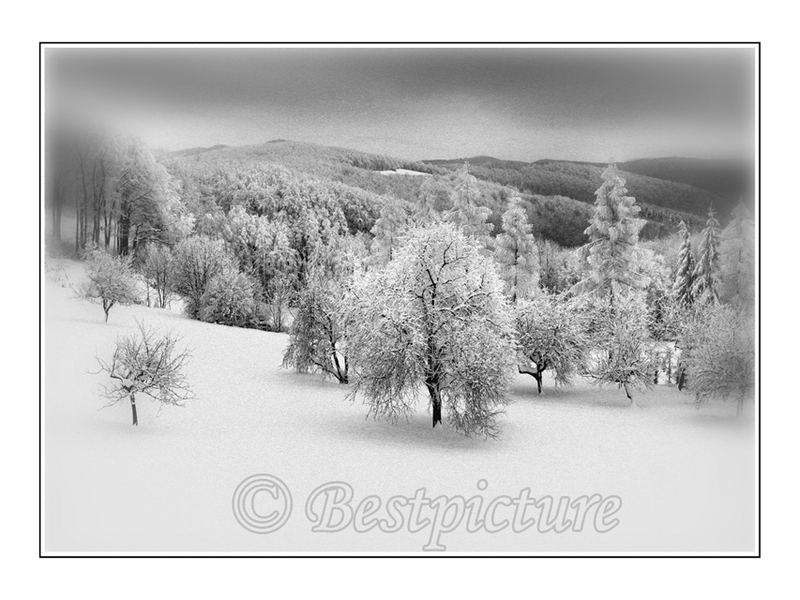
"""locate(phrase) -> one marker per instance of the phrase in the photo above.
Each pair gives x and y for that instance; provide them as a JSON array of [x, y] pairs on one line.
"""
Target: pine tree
[[466, 213], [516, 253], [684, 274], [705, 287], [737, 259], [611, 254], [387, 230]]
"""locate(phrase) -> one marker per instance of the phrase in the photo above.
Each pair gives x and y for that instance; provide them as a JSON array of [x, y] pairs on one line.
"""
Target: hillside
[[167, 485], [557, 194], [677, 185]]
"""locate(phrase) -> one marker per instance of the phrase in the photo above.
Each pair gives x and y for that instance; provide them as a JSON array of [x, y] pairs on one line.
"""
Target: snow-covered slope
[[685, 477]]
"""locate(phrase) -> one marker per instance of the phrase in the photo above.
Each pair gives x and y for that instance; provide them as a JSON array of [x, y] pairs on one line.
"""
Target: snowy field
[[686, 478]]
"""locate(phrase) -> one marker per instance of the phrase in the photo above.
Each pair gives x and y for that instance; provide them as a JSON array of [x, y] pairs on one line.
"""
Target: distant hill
[[557, 194], [678, 185]]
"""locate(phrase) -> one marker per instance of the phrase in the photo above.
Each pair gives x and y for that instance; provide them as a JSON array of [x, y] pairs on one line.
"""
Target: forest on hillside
[[387, 281]]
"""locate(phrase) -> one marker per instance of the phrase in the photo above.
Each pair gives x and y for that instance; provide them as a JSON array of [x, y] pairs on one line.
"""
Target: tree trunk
[[124, 233], [133, 409], [535, 373], [436, 401], [627, 392]]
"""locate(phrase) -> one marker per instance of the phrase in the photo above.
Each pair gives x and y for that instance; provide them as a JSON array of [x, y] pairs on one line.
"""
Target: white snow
[[405, 172], [686, 477]]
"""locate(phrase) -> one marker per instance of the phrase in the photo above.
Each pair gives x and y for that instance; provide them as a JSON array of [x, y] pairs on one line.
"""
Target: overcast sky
[[524, 104]]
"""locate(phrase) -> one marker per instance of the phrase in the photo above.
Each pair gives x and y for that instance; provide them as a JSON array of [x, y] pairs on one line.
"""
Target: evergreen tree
[[737, 260], [517, 254], [705, 287], [611, 254], [684, 274], [466, 213], [387, 230]]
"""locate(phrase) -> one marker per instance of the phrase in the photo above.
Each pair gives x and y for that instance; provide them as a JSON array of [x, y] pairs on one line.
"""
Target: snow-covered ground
[[686, 478], [405, 172]]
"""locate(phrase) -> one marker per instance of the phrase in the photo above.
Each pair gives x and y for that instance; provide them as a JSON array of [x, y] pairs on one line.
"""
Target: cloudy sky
[[524, 104]]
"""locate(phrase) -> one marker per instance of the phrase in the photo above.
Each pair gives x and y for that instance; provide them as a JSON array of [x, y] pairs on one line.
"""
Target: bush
[[229, 299], [111, 280], [197, 261]]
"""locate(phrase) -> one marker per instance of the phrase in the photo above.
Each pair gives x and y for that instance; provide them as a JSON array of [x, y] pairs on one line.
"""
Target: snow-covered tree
[[318, 336], [264, 252], [623, 349], [720, 354], [198, 259], [516, 253], [435, 317], [110, 280], [737, 260], [466, 213], [229, 299], [705, 287], [391, 223], [148, 364], [612, 254], [684, 273], [551, 337], [156, 268]]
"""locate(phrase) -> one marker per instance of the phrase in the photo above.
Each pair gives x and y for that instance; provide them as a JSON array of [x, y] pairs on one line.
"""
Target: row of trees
[[452, 312], [392, 295]]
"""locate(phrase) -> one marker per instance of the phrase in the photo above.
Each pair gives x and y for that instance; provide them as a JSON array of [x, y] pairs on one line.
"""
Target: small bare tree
[[148, 364], [111, 280]]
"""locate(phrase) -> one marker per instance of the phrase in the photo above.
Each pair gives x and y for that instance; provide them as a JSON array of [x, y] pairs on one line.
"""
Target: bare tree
[[148, 364]]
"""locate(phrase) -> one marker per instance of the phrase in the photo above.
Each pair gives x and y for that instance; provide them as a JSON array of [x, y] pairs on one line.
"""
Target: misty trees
[[705, 287], [434, 317], [516, 253], [197, 260], [550, 333], [682, 289], [148, 364], [110, 281], [611, 254], [737, 260]]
